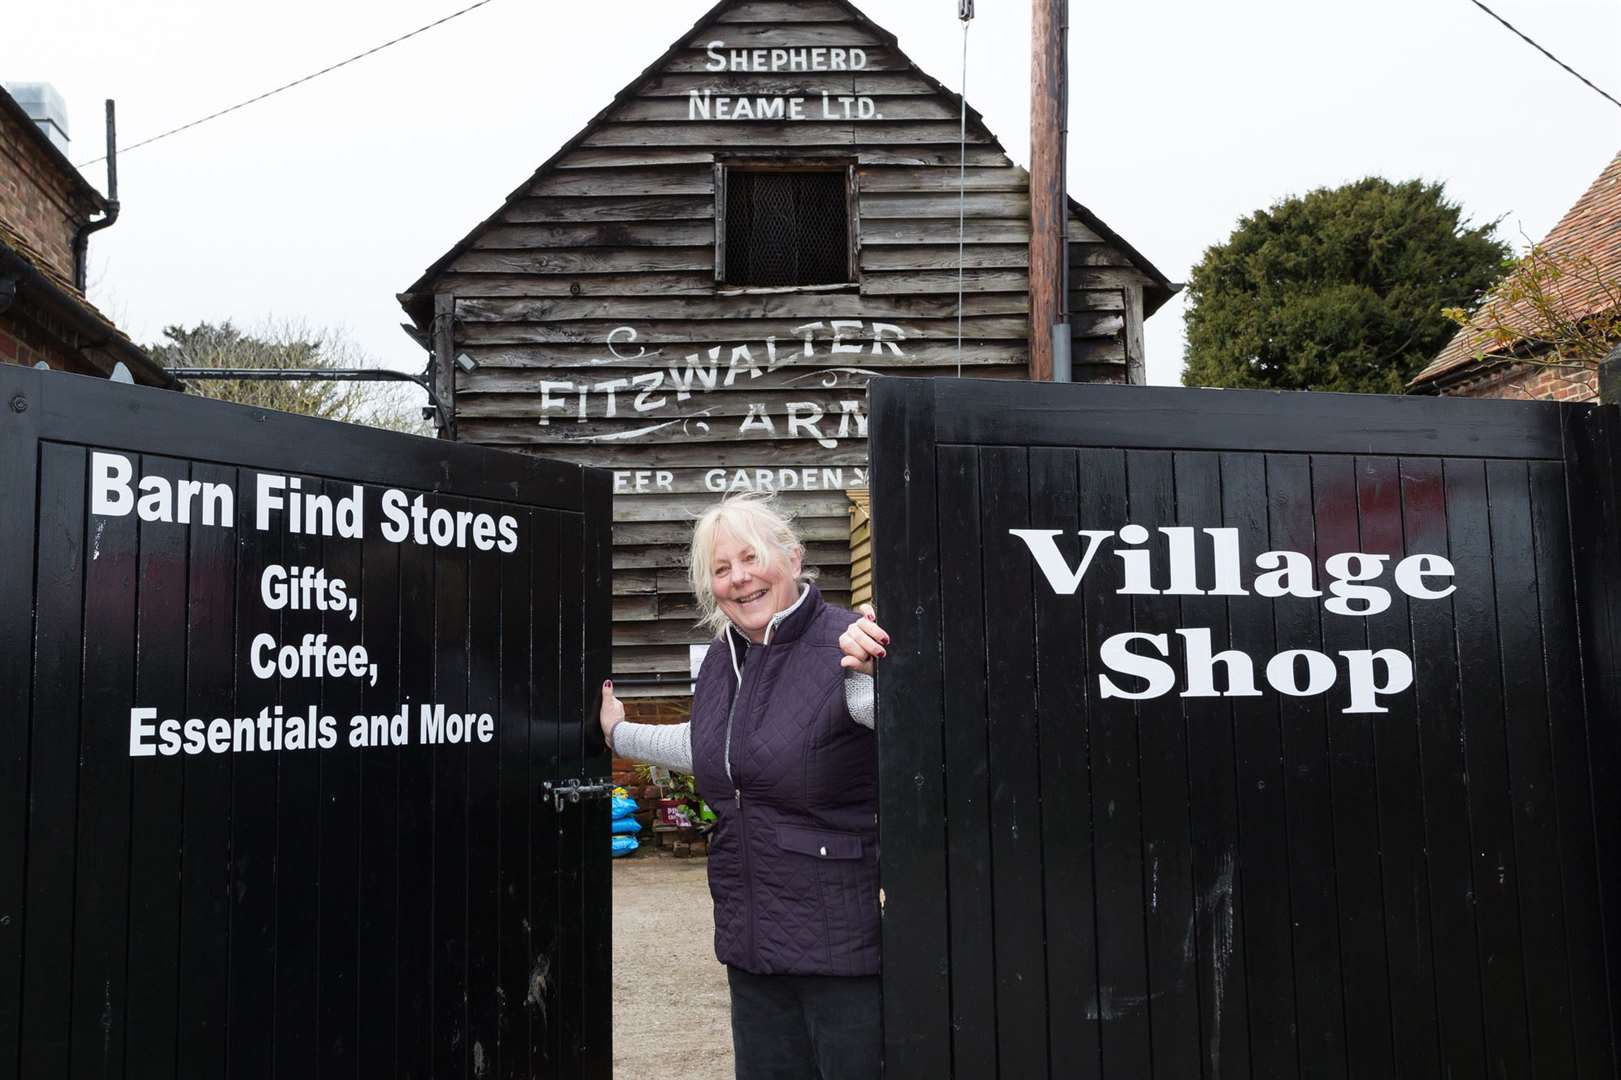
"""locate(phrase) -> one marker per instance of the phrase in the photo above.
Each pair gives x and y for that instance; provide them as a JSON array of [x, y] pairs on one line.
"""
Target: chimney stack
[[44, 107]]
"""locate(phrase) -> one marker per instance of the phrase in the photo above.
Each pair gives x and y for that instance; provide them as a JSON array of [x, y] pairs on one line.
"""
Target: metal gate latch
[[573, 791]]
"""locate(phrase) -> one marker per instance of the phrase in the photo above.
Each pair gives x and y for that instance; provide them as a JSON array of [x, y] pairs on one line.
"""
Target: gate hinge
[[573, 791]]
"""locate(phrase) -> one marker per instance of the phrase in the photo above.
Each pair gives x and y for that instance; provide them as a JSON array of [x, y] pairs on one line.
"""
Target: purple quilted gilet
[[793, 861]]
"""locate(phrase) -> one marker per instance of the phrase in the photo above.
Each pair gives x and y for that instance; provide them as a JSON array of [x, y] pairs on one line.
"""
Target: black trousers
[[805, 1027]]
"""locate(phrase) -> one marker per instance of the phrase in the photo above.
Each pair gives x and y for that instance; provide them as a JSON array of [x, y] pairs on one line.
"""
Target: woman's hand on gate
[[863, 642], [612, 713]]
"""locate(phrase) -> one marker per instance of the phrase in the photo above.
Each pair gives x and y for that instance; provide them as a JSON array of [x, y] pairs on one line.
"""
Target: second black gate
[[1239, 734]]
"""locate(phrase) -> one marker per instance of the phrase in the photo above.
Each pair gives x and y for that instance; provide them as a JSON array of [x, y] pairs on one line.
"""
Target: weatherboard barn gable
[[694, 290]]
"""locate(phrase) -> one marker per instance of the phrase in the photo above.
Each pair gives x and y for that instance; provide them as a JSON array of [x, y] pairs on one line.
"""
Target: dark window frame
[[845, 165]]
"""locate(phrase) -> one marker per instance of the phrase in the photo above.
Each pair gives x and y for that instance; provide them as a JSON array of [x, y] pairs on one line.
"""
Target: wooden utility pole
[[1049, 76], [444, 364]]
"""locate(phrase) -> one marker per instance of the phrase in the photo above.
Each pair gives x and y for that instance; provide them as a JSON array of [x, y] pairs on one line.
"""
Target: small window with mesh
[[786, 228]]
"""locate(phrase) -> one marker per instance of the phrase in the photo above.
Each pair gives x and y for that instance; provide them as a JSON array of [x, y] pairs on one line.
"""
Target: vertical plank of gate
[[543, 1001], [377, 985], [418, 619], [1530, 770], [906, 573], [450, 792], [1605, 744], [1066, 790], [340, 896], [1568, 737], [1262, 887], [155, 796], [518, 805], [101, 936], [250, 1041], [484, 822], [1443, 783], [205, 848], [1592, 454], [298, 834], [1319, 990], [967, 766], [52, 781], [1121, 1004], [1172, 938], [19, 477], [1486, 766], [1015, 766], [1369, 1047], [594, 614], [1410, 949], [1212, 748], [569, 968]]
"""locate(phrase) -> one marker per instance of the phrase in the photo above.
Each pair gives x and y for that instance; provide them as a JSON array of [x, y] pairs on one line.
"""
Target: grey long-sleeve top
[[669, 746]]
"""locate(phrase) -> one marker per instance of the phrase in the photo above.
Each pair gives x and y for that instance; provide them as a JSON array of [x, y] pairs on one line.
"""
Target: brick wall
[[648, 711], [37, 200], [26, 338], [1529, 382]]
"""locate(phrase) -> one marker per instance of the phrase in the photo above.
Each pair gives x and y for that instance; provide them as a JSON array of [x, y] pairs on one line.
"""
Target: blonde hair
[[753, 518]]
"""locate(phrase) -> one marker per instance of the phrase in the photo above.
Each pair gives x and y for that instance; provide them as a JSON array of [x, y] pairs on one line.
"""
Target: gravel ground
[[672, 1014]]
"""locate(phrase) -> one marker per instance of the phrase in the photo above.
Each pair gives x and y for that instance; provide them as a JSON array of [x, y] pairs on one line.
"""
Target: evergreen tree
[[1340, 289]]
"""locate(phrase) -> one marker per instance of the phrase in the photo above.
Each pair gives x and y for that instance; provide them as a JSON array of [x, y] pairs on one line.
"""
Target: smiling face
[[750, 586]]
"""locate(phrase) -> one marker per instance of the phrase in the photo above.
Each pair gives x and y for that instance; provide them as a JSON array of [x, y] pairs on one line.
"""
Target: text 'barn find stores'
[[281, 503]]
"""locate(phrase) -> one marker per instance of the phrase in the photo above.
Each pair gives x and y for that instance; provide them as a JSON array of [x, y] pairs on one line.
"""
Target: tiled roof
[[1590, 230]]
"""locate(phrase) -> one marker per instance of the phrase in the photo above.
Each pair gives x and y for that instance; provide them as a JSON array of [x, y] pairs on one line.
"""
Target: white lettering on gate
[[288, 505], [1353, 590], [113, 490]]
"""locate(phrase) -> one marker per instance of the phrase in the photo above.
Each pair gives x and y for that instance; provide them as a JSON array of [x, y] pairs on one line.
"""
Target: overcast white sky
[[325, 201]]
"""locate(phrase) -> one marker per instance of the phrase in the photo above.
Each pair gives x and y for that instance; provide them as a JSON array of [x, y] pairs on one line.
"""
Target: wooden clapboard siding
[[923, 356], [860, 547], [590, 305]]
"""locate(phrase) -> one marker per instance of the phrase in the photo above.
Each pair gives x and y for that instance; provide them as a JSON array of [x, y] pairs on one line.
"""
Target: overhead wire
[[296, 82], [1523, 37], [965, 12]]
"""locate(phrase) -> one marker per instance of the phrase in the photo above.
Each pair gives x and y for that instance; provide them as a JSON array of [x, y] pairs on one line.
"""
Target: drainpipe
[[81, 239]]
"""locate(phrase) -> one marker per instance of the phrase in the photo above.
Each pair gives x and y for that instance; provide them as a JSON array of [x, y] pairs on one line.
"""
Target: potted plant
[[680, 805]]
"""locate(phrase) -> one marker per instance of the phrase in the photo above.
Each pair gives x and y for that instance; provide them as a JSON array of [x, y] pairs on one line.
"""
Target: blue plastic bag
[[625, 827], [623, 807], [624, 845]]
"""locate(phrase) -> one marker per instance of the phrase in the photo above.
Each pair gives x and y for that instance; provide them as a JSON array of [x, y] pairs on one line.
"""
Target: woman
[[782, 746]]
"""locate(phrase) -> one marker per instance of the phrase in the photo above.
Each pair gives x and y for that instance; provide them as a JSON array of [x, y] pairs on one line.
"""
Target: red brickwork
[[39, 200], [648, 711], [1528, 382], [27, 336]]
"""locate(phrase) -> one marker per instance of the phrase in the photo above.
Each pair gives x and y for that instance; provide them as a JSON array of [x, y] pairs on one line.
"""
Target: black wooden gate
[[222, 851], [1120, 839]]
